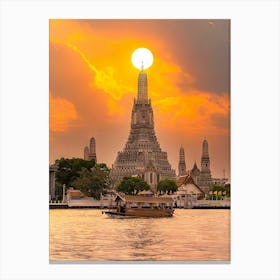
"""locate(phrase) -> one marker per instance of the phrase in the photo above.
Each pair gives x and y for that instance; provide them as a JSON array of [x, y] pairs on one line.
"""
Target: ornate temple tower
[[90, 153], [205, 179], [205, 160], [182, 163], [142, 155]]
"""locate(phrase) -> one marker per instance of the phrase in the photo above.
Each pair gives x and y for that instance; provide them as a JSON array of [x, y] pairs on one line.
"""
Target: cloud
[[194, 111], [62, 114], [170, 87], [103, 79], [93, 83]]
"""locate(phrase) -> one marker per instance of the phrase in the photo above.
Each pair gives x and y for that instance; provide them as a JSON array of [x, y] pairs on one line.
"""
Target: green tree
[[227, 189], [93, 182], [68, 170], [216, 188], [132, 185], [167, 185]]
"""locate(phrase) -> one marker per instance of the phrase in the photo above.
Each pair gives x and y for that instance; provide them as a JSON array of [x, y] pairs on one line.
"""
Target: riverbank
[[65, 206], [109, 202]]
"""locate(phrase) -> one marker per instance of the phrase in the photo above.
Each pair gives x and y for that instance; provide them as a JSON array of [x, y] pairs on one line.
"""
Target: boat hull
[[134, 213], [117, 215]]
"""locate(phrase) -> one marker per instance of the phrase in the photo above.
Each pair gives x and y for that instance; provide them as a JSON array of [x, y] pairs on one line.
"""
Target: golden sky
[[93, 84]]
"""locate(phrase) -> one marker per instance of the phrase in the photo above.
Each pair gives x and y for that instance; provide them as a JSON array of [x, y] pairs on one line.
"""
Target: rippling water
[[190, 235]]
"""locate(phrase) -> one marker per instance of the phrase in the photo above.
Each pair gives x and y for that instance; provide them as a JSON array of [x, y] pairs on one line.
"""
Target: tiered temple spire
[[142, 95], [182, 162], [90, 152], [205, 178], [142, 155]]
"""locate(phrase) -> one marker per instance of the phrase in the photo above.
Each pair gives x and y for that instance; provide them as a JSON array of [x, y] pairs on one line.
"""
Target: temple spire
[[142, 155], [182, 162], [205, 160], [205, 152], [142, 86]]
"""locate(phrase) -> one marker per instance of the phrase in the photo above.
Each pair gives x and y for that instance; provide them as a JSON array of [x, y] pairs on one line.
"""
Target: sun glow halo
[[142, 58]]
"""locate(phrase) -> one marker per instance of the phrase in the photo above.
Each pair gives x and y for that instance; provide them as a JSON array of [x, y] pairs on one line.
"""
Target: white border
[[255, 137]]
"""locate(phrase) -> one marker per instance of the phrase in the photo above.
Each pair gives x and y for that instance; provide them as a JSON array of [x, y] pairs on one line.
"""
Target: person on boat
[[122, 210]]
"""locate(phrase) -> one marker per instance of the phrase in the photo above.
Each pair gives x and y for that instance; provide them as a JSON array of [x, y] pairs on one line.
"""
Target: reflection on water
[[191, 235]]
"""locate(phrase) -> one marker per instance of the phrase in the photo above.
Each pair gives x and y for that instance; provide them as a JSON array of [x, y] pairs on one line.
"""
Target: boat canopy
[[136, 198]]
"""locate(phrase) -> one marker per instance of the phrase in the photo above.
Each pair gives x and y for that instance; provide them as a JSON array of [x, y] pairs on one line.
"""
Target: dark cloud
[[220, 120], [202, 48]]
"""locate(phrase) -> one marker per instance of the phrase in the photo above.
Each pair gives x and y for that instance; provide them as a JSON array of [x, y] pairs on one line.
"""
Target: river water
[[190, 235]]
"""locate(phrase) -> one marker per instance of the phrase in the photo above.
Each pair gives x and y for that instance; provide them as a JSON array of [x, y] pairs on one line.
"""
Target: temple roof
[[187, 179], [181, 180]]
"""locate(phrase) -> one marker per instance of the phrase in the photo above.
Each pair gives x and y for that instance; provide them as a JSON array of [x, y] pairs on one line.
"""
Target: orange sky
[[93, 83]]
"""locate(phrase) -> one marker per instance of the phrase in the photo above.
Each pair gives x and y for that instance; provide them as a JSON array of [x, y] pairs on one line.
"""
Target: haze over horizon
[[93, 84]]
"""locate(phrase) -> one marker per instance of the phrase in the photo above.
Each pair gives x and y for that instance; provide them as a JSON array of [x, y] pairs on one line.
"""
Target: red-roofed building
[[187, 186]]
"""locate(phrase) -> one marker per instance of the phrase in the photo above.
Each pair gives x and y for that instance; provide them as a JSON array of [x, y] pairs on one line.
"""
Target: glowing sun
[[142, 58]]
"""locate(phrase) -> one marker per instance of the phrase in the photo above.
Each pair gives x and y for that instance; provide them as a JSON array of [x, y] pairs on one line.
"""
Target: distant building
[[187, 186], [201, 177], [205, 180], [142, 155], [90, 152], [182, 162], [52, 171], [188, 192]]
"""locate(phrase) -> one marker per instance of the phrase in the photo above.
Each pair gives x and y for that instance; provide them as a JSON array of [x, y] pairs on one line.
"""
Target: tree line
[[219, 188], [134, 185], [93, 179]]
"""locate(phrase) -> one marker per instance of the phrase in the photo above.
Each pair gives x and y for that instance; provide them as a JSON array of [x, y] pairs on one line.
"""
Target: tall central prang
[[142, 155]]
